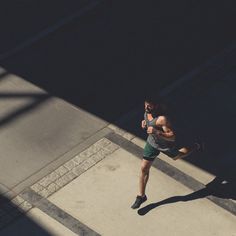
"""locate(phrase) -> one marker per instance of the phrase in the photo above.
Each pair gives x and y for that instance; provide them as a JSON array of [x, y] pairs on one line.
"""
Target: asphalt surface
[[105, 61], [108, 59], [36, 130], [202, 110], [23, 19]]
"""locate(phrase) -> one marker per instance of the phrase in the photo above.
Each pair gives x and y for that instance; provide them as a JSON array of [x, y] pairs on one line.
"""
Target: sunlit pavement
[[98, 201], [60, 176], [89, 187]]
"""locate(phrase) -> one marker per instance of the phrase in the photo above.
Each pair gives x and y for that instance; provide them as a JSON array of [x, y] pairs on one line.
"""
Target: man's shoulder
[[162, 120]]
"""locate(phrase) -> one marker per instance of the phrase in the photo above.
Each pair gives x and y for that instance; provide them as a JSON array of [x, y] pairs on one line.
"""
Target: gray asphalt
[[36, 129], [203, 109], [59, 93], [100, 63], [21, 20], [117, 47]]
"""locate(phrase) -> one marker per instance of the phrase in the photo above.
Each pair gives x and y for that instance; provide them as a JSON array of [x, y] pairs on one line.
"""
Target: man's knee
[[145, 169]]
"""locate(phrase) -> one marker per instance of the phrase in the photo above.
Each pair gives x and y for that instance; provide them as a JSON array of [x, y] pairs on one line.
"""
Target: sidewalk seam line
[[92, 135], [57, 213], [78, 165]]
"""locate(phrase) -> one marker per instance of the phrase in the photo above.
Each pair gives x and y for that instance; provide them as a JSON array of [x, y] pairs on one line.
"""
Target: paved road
[[36, 130], [23, 19], [203, 108], [108, 54], [100, 63], [82, 195]]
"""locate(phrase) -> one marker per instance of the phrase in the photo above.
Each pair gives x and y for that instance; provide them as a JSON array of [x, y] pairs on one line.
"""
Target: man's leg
[[143, 179], [184, 151], [144, 176], [149, 155]]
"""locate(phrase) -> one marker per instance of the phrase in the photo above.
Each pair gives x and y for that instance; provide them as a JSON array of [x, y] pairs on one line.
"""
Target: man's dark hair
[[158, 102], [153, 99]]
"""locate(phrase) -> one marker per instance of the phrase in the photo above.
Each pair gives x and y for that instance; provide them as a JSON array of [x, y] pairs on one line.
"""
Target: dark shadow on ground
[[35, 101], [13, 220], [20, 224], [217, 188], [23, 19], [105, 61]]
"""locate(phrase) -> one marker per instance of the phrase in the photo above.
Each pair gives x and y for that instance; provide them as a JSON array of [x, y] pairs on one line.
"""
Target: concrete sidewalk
[[72, 180], [38, 133], [97, 201]]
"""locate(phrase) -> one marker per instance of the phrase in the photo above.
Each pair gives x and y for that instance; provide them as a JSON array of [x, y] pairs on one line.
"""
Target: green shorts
[[150, 153]]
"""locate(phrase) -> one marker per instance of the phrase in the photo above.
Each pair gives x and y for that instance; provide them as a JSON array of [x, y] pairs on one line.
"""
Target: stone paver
[[55, 182], [58, 178], [114, 182], [53, 186], [74, 167]]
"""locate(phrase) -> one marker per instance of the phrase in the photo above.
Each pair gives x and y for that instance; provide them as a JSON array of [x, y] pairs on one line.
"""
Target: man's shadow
[[218, 188]]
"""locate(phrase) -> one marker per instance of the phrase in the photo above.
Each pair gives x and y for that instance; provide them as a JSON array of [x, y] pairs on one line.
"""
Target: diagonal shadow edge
[[24, 109], [3, 75], [8, 95]]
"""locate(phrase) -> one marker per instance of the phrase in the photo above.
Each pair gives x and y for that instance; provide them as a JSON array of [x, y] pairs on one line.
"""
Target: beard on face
[[148, 110]]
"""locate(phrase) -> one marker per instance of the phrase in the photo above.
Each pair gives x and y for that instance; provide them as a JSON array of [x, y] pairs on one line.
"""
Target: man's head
[[149, 107], [152, 104]]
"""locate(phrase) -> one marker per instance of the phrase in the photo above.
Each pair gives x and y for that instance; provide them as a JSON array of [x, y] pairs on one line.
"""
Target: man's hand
[[143, 124], [152, 130]]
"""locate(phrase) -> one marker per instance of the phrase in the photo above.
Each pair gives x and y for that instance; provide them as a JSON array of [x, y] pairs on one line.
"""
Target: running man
[[161, 138]]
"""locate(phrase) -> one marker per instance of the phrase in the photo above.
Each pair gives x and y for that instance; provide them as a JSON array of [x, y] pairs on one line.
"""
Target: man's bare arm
[[167, 132]]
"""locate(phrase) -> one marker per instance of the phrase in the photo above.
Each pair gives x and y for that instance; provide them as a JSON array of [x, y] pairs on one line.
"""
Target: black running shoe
[[139, 200]]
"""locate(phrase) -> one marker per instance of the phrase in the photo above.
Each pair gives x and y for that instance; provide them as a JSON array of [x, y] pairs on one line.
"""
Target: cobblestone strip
[[74, 167], [11, 209]]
